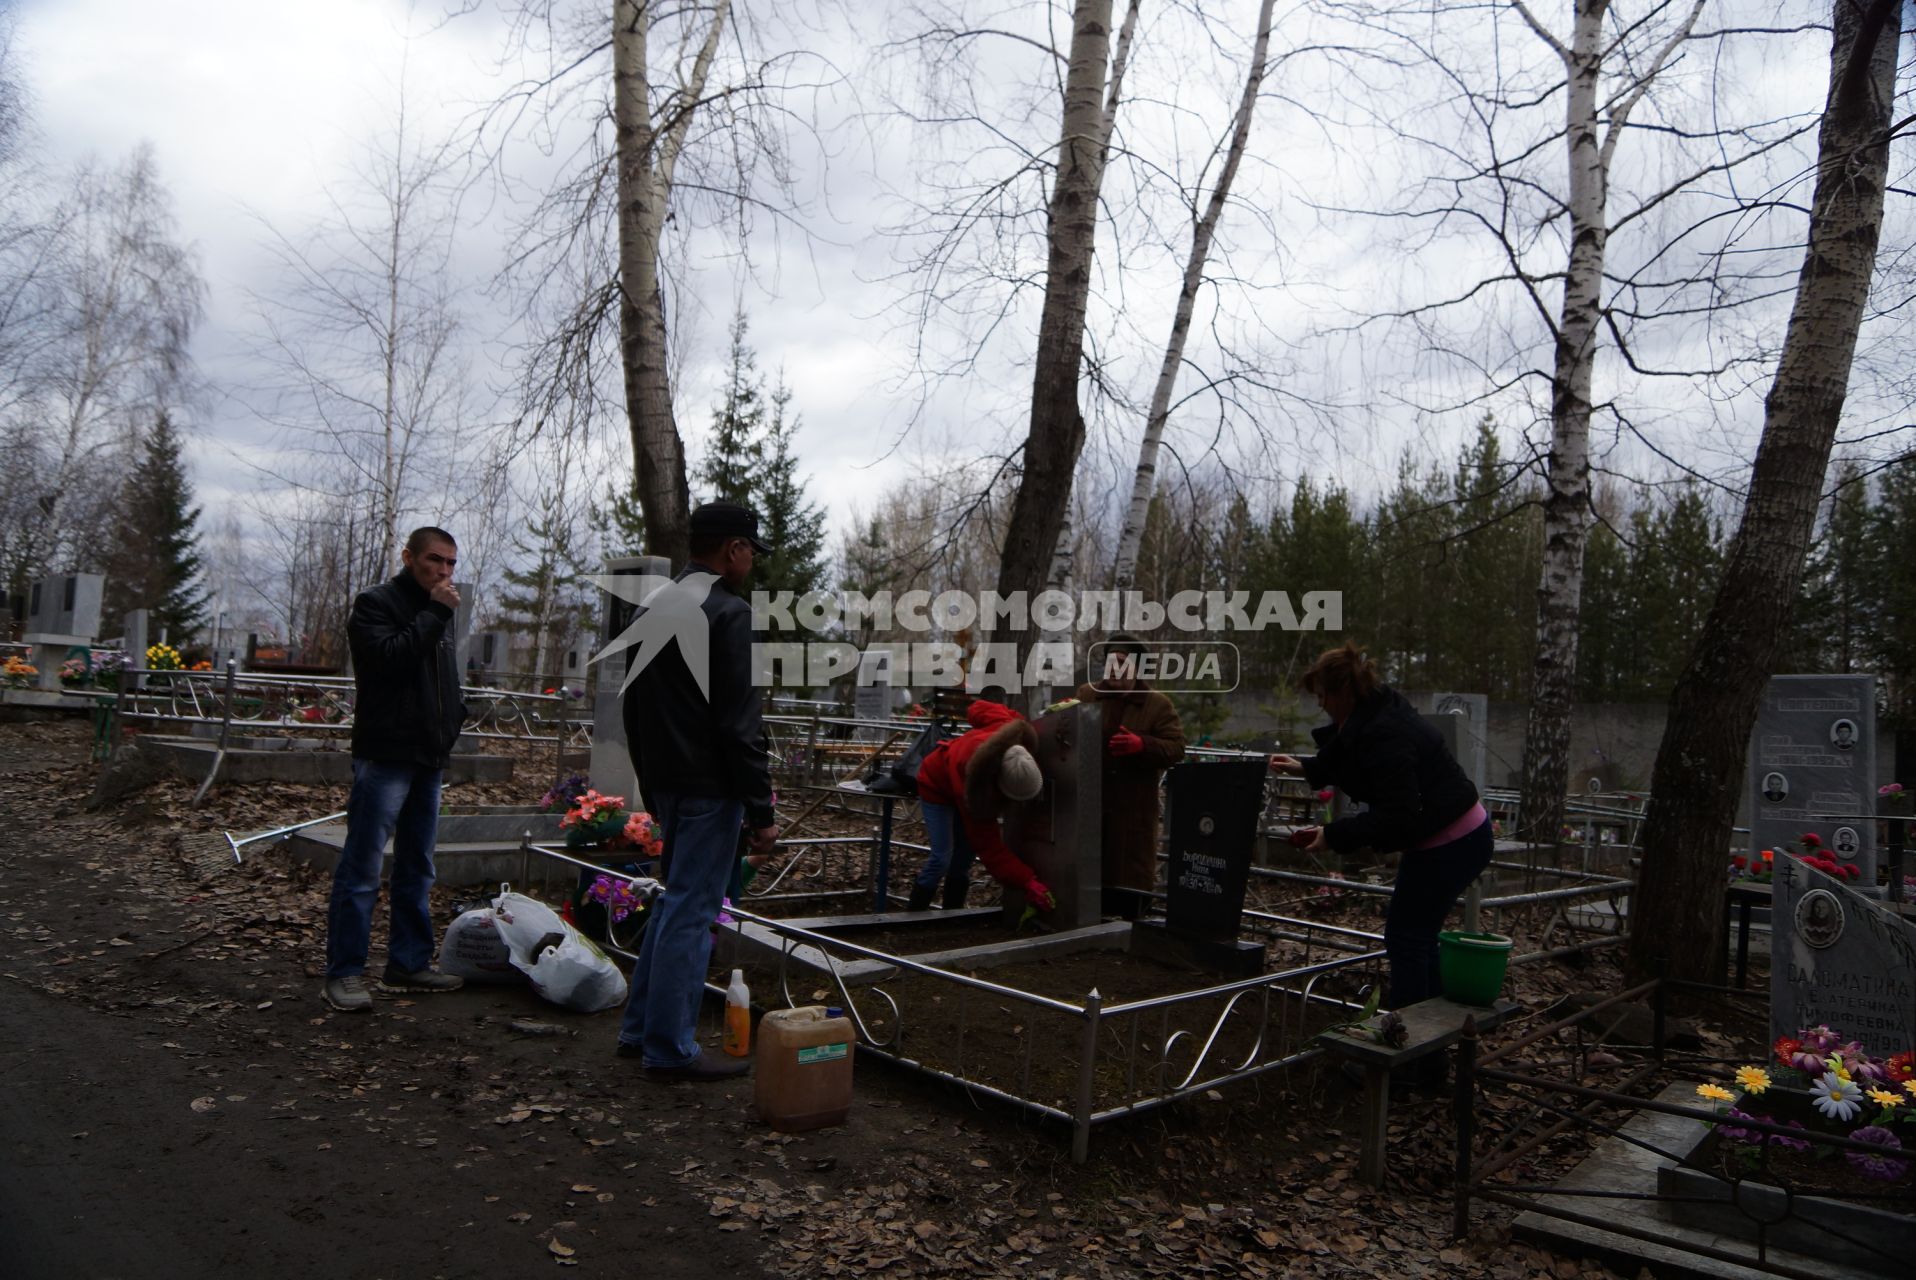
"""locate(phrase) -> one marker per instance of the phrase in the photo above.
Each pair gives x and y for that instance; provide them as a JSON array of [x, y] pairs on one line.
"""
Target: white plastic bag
[[525, 923], [475, 951], [562, 963], [575, 974]]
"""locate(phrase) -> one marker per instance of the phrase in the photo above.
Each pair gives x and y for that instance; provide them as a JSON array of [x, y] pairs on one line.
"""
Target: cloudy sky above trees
[[256, 110]]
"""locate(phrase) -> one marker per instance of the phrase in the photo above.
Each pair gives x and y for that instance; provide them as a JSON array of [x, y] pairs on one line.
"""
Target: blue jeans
[[950, 848], [668, 981], [397, 802], [1429, 882]]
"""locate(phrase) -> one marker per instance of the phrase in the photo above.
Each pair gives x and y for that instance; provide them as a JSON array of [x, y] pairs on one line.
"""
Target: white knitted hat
[[1018, 775]]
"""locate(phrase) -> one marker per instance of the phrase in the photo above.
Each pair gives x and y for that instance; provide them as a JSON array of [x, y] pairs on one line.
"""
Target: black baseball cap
[[728, 520]]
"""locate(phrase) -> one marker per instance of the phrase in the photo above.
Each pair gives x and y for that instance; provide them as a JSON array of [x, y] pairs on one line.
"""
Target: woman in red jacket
[[963, 785]]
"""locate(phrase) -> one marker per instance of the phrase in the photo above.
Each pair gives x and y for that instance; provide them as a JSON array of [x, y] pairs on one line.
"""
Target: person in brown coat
[[1142, 738]]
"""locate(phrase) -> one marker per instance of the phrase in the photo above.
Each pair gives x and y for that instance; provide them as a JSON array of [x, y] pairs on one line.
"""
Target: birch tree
[[1056, 434], [116, 300], [1590, 145], [1517, 129], [1203, 231], [368, 386], [650, 142], [1677, 911], [672, 122]]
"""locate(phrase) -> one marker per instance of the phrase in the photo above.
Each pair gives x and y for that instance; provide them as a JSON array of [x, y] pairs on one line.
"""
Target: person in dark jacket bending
[[406, 716], [1379, 751], [694, 722]]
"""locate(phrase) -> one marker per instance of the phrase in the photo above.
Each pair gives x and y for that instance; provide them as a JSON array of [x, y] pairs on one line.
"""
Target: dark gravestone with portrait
[[1841, 960], [1213, 827], [1813, 754]]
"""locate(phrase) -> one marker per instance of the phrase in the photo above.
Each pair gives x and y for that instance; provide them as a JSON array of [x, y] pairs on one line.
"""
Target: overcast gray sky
[[257, 106]]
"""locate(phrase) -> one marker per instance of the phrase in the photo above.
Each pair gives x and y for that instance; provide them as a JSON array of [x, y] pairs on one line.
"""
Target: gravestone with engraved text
[[1842, 960], [1813, 753]]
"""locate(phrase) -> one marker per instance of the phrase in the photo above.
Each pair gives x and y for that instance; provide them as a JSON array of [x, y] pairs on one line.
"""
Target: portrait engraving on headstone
[[1819, 918], [1840, 960], [1812, 766]]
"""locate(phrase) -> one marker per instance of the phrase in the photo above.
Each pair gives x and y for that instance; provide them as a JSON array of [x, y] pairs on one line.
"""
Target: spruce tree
[[620, 522], [543, 595], [154, 561], [787, 519], [732, 462]]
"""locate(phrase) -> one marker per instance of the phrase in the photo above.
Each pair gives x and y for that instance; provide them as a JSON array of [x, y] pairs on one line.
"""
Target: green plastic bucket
[[1472, 965]]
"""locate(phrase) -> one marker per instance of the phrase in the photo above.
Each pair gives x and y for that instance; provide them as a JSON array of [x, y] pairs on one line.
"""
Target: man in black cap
[[695, 728]]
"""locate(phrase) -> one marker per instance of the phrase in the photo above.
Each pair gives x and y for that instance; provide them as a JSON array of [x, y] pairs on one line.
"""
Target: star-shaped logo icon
[[669, 609]]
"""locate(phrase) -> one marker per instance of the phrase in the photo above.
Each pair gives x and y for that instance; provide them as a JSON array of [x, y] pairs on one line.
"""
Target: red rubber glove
[[1125, 743], [1303, 837], [1038, 896]]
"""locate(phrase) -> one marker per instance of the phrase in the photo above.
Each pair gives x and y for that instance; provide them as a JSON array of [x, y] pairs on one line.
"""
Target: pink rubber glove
[[1125, 743]]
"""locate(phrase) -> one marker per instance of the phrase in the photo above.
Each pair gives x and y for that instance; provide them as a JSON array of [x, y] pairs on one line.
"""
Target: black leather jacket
[[1386, 756], [680, 740], [407, 710]]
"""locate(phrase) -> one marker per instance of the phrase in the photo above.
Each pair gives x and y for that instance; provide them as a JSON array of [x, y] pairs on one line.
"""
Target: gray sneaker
[[349, 994], [427, 980]]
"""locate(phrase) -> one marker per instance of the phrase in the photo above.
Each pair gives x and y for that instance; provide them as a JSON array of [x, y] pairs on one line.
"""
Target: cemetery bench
[[1433, 1026]]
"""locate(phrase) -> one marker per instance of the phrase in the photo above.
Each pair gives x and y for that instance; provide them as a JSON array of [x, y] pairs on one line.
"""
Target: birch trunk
[[1566, 505], [1677, 912], [647, 155], [1125, 571], [1056, 434]]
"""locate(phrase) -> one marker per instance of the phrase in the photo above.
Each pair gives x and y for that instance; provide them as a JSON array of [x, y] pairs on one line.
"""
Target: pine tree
[[154, 563], [1852, 622], [1489, 605], [1892, 526], [1604, 639], [788, 520], [731, 466], [1689, 542], [1407, 534]]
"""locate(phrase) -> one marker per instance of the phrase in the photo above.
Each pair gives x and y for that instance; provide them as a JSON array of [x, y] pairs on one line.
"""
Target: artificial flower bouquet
[[597, 821], [17, 672], [1865, 1099], [163, 657], [107, 666], [1894, 797], [561, 796], [1760, 867]]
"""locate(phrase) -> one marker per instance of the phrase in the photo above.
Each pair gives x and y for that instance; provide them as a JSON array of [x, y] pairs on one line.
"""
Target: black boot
[[955, 891], [920, 899]]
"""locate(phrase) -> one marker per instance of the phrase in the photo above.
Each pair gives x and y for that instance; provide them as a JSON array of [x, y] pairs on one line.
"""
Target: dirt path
[[179, 1102]]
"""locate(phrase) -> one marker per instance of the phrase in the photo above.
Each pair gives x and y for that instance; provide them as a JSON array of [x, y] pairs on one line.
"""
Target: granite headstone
[[1213, 828], [1840, 959], [871, 694], [66, 606], [1473, 735], [612, 772], [1812, 755], [1061, 832]]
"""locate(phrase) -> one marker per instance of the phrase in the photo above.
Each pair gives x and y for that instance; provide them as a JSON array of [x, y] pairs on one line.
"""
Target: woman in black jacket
[[1379, 751]]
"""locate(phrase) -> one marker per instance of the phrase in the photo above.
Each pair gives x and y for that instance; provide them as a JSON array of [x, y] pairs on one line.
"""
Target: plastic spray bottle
[[738, 1016]]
